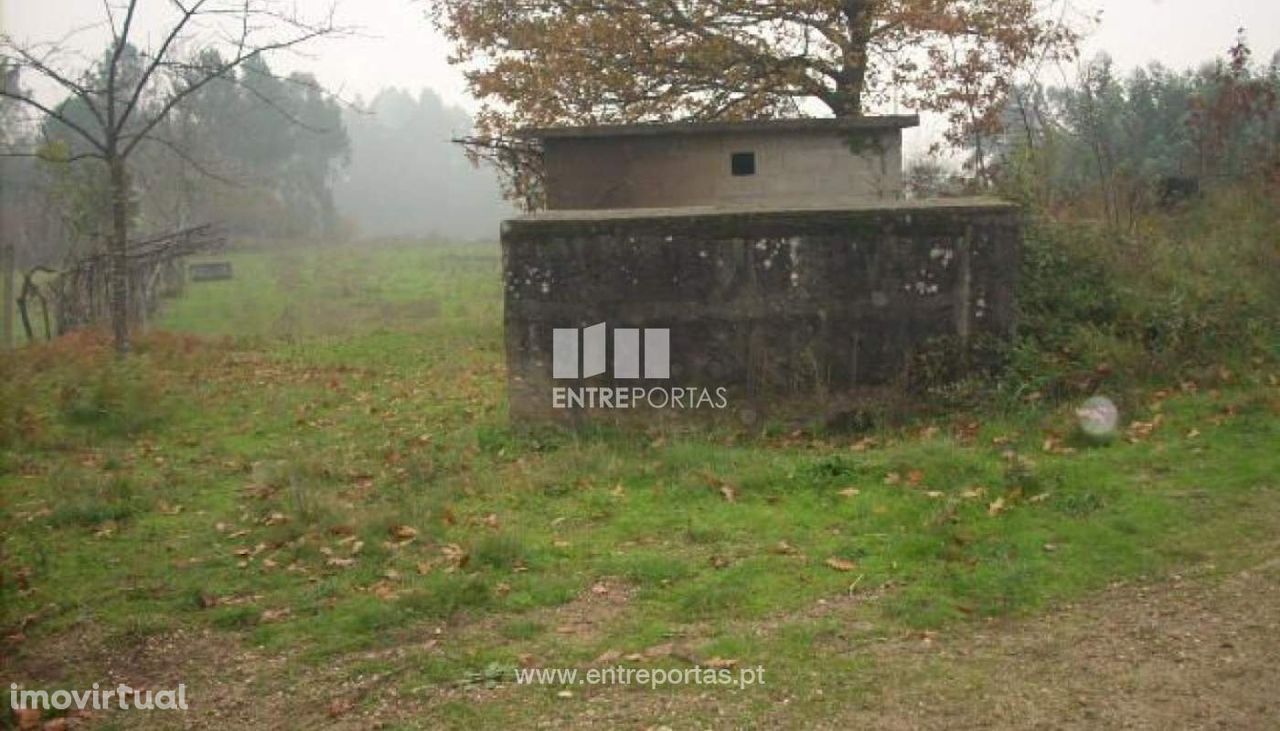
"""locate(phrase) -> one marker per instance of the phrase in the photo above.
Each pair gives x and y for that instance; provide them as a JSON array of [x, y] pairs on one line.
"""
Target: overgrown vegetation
[[341, 477], [1191, 291], [320, 468]]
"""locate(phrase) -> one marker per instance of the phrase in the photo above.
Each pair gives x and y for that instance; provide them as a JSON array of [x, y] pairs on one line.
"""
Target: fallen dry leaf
[[275, 615], [608, 656], [663, 650], [840, 564], [726, 490], [720, 663], [404, 533], [784, 549], [27, 718], [996, 507], [850, 492], [456, 555], [1053, 445], [340, 707]]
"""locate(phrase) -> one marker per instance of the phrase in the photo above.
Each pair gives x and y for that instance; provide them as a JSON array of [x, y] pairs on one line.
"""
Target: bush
[[120, 398], [19, 421], [1188, 290], [501, 551], [89, 499]]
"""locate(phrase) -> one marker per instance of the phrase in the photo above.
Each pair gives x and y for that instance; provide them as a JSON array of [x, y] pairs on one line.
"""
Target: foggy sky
[[397, 46]]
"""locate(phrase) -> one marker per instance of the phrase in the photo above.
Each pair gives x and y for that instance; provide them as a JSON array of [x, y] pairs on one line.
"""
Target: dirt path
[[1193, 653], [1183, 654]]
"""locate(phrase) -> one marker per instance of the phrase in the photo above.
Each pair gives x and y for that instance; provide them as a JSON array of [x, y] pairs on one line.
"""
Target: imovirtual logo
[[637, 354]]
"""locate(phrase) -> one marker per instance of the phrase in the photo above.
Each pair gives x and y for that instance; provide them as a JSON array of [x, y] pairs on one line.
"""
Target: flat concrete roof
[[871, 206], [811, 124]]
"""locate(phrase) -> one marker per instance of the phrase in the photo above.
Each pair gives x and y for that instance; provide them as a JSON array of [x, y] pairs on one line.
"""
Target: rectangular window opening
[[743, 164]]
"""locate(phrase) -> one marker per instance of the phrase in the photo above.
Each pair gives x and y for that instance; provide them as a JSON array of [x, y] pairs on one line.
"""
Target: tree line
[[1124, 144]]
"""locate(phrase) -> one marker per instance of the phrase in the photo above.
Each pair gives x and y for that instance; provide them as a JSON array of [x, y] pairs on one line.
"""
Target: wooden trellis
[[77, 295]]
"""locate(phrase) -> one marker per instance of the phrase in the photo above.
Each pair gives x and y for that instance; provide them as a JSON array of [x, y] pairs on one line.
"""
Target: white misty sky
[[397, 45]]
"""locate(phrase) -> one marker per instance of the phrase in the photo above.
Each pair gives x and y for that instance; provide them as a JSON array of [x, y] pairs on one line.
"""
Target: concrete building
[[777, 263], [775, 163]]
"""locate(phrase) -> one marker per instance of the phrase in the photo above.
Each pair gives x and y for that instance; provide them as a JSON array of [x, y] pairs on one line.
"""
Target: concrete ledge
[[804, 124], [726, 220], [865, 206]]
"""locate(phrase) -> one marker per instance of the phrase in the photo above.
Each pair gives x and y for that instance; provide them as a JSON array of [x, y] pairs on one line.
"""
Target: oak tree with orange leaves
[[553, 62]]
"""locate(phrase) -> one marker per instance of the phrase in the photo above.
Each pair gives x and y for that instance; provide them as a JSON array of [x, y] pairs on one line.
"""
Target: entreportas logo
[[567, 356], [638, 354]]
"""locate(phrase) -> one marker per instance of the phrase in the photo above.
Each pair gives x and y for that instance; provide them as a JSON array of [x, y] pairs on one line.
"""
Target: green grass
[[257, 481]]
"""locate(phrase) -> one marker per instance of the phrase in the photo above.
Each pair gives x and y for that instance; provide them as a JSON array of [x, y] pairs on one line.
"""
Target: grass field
[[312, 464]]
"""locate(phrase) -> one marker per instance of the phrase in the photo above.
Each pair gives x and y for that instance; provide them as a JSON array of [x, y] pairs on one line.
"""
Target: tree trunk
[[852, 78], [8, 266], [8, 262], [117, 250]]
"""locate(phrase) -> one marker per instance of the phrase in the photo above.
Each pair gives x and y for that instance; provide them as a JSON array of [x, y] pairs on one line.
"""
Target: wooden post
[[8, 268], [8, 252], [8, 263]]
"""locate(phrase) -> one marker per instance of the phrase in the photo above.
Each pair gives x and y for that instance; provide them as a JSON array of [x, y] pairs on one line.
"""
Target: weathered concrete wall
[[775, 305], [817, 167]]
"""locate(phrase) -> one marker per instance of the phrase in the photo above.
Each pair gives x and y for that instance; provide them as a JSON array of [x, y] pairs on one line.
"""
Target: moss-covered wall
[[772, 305]]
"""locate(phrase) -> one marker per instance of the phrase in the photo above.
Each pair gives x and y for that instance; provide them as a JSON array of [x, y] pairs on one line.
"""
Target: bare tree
[[8, 253], [118, 105]]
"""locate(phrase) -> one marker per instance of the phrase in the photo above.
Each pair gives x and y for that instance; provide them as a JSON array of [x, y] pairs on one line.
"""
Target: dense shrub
[[117, 397], [75, 387], [1186, 290]]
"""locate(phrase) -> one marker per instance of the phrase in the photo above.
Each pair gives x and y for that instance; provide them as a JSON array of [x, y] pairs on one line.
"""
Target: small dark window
[[744, 163]]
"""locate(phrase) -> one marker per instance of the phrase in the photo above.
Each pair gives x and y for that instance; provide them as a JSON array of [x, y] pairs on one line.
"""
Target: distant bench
[[209, 271]]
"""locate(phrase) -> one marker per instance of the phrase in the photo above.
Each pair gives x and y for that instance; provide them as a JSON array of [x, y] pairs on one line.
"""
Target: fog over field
[[407, 177]]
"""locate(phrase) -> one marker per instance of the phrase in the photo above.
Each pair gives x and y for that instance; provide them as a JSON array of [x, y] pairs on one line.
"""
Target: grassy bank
[[314, 457]]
